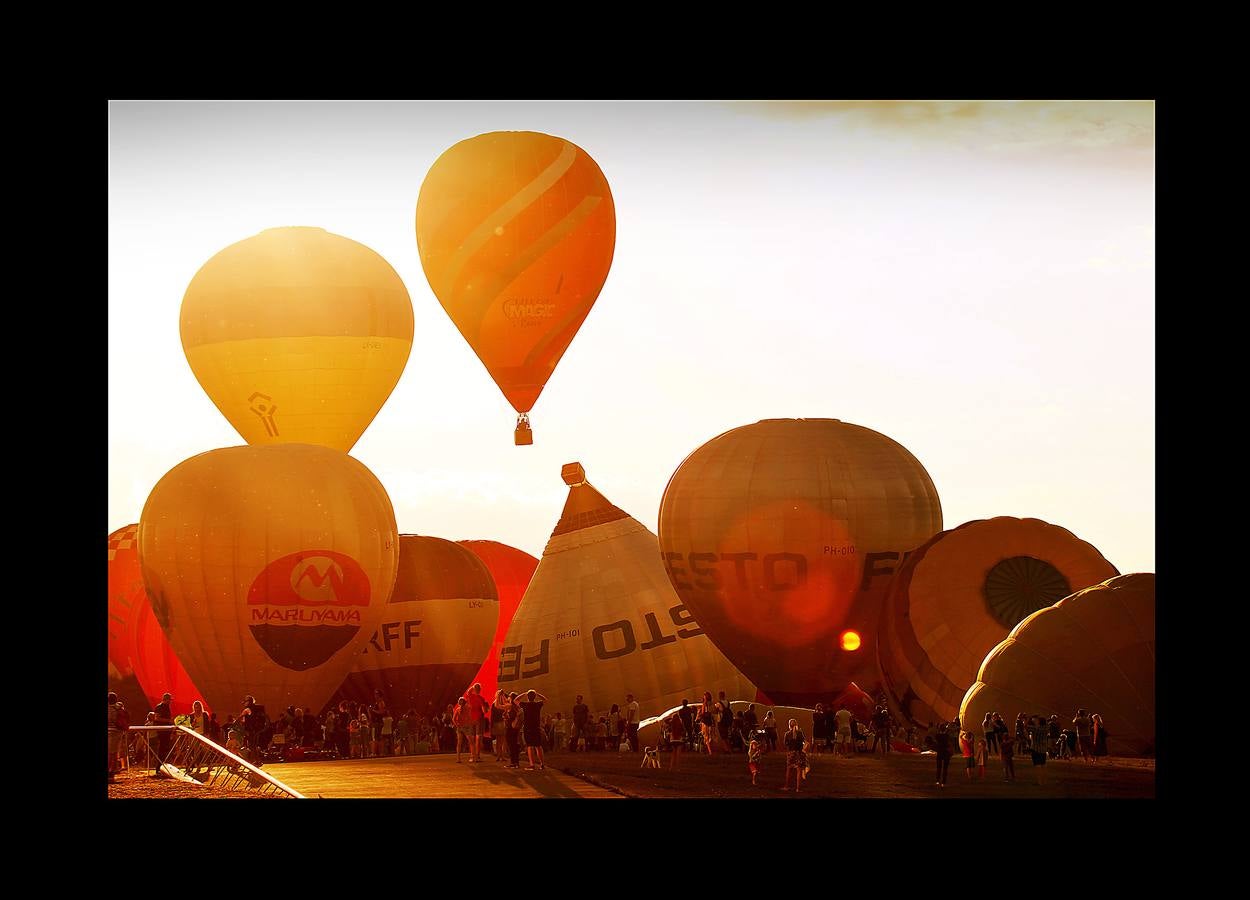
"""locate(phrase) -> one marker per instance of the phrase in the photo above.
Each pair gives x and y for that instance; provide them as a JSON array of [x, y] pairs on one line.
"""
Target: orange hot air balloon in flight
[[516, 230], [512, 570], [782, 536], [298, 335], [1094, 650], [268, 568], [435, 630], [960, 593]]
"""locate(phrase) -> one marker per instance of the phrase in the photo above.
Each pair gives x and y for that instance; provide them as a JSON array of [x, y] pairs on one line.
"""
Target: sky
[[973, 279]]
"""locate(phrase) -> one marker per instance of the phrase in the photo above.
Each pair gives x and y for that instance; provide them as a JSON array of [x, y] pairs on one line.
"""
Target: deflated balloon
[[601, 620], [516, 231], [268, 568], [512, 570], [960, 593], [781, 538], [435, 630], [1094, 650], [298, 335]]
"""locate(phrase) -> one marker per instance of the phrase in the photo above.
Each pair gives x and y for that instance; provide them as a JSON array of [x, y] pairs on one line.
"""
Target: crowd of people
[[511, 722]]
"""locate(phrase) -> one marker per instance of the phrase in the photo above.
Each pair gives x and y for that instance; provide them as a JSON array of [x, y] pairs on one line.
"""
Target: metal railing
[[194, 759]]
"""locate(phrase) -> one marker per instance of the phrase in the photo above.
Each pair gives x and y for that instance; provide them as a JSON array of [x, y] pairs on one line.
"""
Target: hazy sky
[[975, 280]]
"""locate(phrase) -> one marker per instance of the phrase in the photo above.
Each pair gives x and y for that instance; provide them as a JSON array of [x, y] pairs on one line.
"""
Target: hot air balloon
[[435, 632], [512, 570], [135, 637], [601, 620], [782, 536], [1094, 650], [126, 593], [515, 231], [298, 335], [268, 567], [960, 593]]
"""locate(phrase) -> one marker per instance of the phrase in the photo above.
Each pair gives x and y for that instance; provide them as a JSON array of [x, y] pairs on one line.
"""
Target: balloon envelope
[[436, 629], [601, 620], [126, 592], [959, 595], [1094, 650], [782, 536], [516, 231], [297, 335], [268, 567], [512, 570]]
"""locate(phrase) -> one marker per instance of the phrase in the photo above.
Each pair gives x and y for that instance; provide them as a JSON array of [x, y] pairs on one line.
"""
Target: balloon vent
[[524, 435], [573, 474]]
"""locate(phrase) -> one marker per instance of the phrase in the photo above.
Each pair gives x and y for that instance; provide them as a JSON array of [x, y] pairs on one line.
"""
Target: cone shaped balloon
[[435, 632], [268, 568], [297, 335], [515, 231], [960, 593], [1094, 650], [782, 536], [601, 620], [512, 570]]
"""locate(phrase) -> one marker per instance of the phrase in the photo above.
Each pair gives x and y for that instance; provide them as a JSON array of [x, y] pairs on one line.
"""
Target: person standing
[[498, 727], [633, 719], [796, 758], [687, 720], [1039, 732], [1083, 725], [164, 715], [991, 736], [1100, 736], [532, 733], [115, 735], [724, 719], [770, 730], [843, 719], [513, 720], [755, 756], [478, 711], [581, 717], [460, 722], [199, 719], [942, 746], [1006, 749], [707, 721], [677, 736], [965, 748]]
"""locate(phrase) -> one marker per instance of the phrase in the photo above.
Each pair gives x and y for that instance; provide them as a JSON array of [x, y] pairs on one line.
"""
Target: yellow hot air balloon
[[298, 335], [782, 537], [436, 630], [516, 231], [601, 620], [1094, 650], [268, 568], [960, 593]]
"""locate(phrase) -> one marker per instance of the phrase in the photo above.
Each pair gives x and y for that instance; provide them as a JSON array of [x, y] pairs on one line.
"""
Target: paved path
[[437, 775]]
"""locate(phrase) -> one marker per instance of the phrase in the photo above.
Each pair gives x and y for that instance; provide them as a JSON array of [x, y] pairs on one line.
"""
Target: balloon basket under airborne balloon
[[523, 435]]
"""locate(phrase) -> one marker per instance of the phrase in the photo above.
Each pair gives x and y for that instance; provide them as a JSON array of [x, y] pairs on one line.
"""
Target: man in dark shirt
[[531, 730], [687, 719], [164, 716], [581, 717], [726, 720]]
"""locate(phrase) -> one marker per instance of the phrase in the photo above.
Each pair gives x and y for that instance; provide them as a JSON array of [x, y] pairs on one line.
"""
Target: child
[[1006, 745], [755, 753], [965, 747], [980, 757]]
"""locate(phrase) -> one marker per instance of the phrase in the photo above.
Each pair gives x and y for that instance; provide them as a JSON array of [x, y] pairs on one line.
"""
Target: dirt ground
[[699, 776]]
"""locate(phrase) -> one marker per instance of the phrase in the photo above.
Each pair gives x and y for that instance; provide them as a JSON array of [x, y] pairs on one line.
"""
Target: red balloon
[[157, 666], [857, 701], [126, 592], [512, 570]]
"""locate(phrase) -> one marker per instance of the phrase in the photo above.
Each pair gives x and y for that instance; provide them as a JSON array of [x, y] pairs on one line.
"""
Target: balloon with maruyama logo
[[268, 567]]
